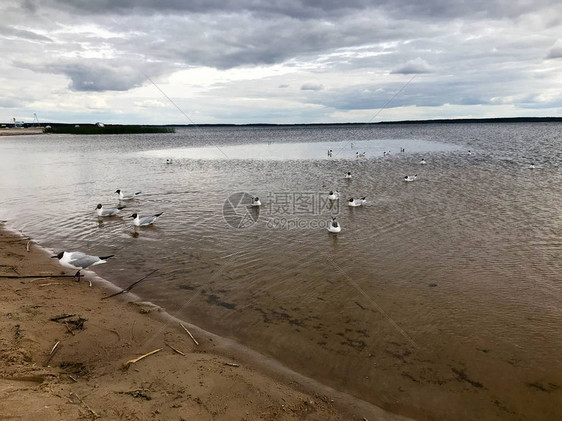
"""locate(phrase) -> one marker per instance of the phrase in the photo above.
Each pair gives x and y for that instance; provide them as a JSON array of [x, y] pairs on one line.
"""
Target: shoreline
[[84, 377]]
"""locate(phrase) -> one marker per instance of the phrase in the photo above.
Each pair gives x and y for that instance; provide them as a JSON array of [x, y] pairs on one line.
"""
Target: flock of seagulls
[[78, 260]]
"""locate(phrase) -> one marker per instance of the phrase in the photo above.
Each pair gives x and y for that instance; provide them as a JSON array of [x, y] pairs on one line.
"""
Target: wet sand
[[85, 378]]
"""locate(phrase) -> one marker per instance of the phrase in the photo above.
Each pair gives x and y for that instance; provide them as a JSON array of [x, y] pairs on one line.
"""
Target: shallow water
[[440, 298]]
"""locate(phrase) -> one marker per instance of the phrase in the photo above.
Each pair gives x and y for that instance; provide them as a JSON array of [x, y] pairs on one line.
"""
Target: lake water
[[439, 299]]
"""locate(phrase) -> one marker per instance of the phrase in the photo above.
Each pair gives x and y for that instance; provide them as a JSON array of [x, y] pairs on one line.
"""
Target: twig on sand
[[68, 328], [128, 363], [27, 246], [50, 283], [51, 354], [189, 333], [130, 287], [35, 276], [177, 350], [62, 316], [232, 364], [86, 405]]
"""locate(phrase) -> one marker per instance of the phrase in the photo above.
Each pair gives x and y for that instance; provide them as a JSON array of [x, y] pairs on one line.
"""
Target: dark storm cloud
[[305, 8], [95, 75]]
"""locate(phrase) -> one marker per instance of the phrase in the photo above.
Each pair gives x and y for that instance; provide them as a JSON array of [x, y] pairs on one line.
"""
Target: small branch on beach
[[51, 283], [86, 405], [176, 350], [68, 328], [35, 276], [189, 333], [130, 287], [232, 364], [62, 316], [27, 245], [128, 363], [52, 354]]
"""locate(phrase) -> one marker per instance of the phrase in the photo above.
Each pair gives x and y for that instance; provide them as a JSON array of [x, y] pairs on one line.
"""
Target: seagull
[[410, 177], [145, 220], [356, 202], [333, 195], [128, 196], [348, 174], [78, 260], [422, 162], [333, 226], [359, 155], [532, 166], [168, 161], [256, 201], [108, 212]]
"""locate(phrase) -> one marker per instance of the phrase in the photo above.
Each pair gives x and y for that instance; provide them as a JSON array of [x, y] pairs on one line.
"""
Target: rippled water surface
[[440, 298]]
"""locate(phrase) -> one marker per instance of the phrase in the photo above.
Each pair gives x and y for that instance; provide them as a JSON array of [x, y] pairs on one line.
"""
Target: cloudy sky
[[278, 61]]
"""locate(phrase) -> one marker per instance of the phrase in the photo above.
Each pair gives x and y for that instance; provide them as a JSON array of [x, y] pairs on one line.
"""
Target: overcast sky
[[278, 61]]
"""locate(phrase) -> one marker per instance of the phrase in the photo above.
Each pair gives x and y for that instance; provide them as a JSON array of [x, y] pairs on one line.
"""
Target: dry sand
[[85, 378]]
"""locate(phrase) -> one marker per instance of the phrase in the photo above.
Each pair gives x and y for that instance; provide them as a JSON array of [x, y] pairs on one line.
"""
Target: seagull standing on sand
[[256, 201], [108, 212], [145, 220], [128, 196], [78, 260]]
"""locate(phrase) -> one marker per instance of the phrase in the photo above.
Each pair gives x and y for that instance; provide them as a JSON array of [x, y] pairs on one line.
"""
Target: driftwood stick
[[128, 363], [68, 328], [51, 283], [35, 276], [176, 350], [52, 354], [130, 287], [86, 405], [189, 333], [27, 246], [232, 364], [62, 316]]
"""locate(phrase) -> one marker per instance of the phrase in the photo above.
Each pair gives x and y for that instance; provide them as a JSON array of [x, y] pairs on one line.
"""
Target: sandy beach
[[86, 376]]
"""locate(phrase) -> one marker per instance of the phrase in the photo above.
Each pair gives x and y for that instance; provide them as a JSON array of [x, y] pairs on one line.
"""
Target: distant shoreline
[[165, 128]]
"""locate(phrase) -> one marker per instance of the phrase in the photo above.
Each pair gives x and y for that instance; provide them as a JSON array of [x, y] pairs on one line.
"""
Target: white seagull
[[532, 166], [128, 196], [108, 212], [78, 260], [333, 225], [356, 202], [333, 195], [410, 177], [348, 174], [256, 201], [145, 220], [422, 162]]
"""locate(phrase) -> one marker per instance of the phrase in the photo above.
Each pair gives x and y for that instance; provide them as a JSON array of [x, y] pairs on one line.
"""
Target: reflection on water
[[439, 298]]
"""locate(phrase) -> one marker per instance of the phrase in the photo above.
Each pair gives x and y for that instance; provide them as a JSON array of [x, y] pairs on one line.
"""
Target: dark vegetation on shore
[[107, 129]]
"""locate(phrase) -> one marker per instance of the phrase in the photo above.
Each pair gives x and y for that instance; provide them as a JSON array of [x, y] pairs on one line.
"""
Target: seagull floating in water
[[333, 225], [532, 166], [256, 201], [108, 212], [410, 177], [78, 260], [356, 202], [126, 196], [333, 195], [360, 155], [168, 161], [348, 174], [145, 220], [422, 162]]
